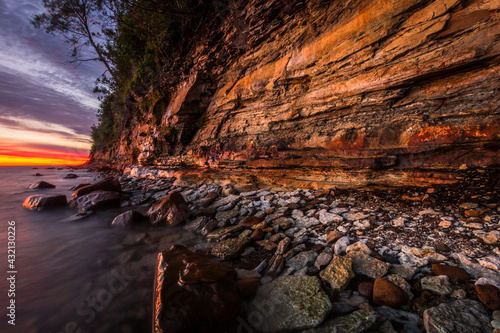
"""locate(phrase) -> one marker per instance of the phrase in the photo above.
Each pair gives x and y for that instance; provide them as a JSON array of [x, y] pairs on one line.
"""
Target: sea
[[80, 276]]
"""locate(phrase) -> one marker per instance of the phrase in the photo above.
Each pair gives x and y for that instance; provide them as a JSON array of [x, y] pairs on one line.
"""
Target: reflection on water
[[83, 275]]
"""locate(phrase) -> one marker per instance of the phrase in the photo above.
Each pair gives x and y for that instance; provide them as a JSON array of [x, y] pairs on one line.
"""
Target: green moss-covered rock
[[289, 303]]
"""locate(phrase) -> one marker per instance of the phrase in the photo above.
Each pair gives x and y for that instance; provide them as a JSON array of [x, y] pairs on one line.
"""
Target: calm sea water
[[83, 276]]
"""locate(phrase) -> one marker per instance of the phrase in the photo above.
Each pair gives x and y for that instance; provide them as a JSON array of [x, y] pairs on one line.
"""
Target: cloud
[[43, 99]]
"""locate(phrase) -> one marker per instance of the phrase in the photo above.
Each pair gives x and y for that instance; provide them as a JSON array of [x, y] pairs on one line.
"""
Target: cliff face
[[334, 92]]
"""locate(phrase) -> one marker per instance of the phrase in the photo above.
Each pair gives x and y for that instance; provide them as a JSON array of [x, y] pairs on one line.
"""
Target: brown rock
[[454, 273], [211, 196], [43, 201], [248, 287], [333, 236], [172, 210], [388, 293], [489, 295], [365, 289], [442, 247], [194, 293], [108, 184], [250, 221], [257, 235], [267, 244]]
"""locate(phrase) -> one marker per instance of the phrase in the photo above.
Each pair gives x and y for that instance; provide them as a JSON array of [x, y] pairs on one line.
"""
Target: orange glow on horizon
[[12, 160]]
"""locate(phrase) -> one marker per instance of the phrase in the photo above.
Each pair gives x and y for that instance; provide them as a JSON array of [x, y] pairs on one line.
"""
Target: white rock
[[399, 222], [326, 217], [490, 262], [437, 284], [359, 247], [341, 245]]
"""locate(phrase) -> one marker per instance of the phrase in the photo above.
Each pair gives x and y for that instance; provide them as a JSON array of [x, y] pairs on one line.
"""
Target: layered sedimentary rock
[[331, 92]]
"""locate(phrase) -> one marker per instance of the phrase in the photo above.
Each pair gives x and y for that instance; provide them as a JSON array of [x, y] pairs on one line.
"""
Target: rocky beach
[[371, 259]]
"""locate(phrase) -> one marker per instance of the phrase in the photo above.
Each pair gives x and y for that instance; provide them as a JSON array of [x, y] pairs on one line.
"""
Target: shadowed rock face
[[194, 293], [367, 91]]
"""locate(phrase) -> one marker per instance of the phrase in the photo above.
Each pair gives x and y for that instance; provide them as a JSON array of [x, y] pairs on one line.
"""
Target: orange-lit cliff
[[330, 92]]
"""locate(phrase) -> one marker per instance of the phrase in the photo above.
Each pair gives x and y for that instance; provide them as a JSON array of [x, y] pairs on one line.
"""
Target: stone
[[171, 210], [219, 233], [289, 303], [461, 316], [355, 216], [341, 245], [338, 273], [365, 289], [423, 253], [493, 237], [225, 216], [96, 200], [398, 222], [283, 222], [452, 272], [489, 295], [437, 284], [323, 260], [188, 283], [230, 248], [408, 259], [109, 184], [267, 244], [229, 201], [357, 322], [40, 185], [127, 219], [43, 201], [368, 266], [400, 282], [250, 221], [333, 236], [77, 217], [407, 272], [468, 205], [490, 262], [361, 225], [399, 316], [359, 247], [327, 218], [257, 235], [388, 293], [70, 176], [301, 260], [209, 199]]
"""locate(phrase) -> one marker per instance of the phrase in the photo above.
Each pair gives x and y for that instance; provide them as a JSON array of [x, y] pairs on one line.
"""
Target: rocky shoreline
[[372, 259]]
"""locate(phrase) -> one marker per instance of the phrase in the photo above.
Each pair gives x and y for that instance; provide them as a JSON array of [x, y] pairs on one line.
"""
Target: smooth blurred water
[[83, 276]]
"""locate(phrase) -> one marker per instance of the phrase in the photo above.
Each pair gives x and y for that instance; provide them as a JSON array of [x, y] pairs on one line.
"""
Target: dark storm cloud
[[36, 80]]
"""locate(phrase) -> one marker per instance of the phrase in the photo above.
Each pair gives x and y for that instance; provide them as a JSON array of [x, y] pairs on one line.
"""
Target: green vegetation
[[143, 44]]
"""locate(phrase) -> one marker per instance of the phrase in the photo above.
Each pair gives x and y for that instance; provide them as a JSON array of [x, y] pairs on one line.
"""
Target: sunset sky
[[46, 104]]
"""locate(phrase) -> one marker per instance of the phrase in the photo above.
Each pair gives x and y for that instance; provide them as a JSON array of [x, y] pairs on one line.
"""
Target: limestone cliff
[[331, 92]]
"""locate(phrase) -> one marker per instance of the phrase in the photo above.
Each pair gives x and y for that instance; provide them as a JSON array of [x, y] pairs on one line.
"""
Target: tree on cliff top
[[85, 25]]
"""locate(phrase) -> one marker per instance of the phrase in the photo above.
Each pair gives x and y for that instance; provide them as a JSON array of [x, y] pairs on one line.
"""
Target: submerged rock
[[194, 293], [128, 218], [172, 210], [77, 217], [96, 200], [70, 176], [108, 184], [43, 201], [289, 303], [40, 185], [462, 316]]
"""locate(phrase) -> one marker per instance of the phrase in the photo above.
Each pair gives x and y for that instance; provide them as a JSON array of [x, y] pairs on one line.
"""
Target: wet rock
[[108, 184], [70, 176], [290, 303], [76, 187], [338, 273], [462, 316], [230, 248], [40, 185], [489, 295], [95, 201], [171, 210], [193, 293], [357, 322], [454, 273], [365, 289], [77, 217], [37, 174], [388, 293], [128, 218], [368, 266], [43, 201], [301, 260], [437, 284]]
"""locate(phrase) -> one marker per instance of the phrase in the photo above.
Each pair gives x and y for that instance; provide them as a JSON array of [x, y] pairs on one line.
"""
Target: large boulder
[[171, 210], [108, 184], [194, 293], [96, 200], [462, 316], [42, 201], [40, 185], [289, 303]]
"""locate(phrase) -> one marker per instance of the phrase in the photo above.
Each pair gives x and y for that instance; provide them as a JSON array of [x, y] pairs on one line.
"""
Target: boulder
[[462, 316], [70, 176], [108, 184], [171, 210], [95, 201], [42, 201], [40, 185], [194, 293], [127, 219], [289, 303]]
